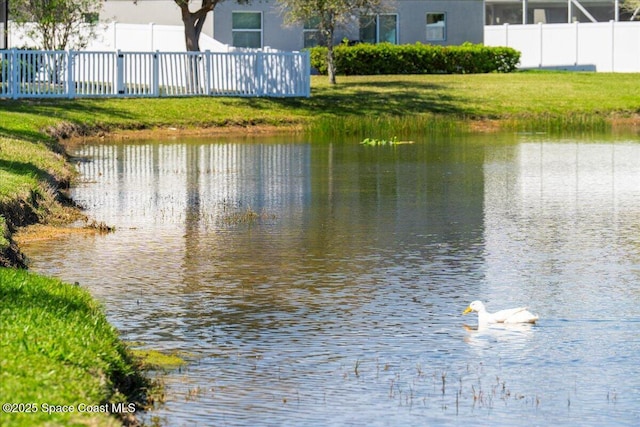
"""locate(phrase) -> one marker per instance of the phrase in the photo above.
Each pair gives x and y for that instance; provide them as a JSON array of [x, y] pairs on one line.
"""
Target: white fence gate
[[600, 46], [71, 74]]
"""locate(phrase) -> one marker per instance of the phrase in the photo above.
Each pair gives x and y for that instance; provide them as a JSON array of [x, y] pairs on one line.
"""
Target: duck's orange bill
[[468, 310]]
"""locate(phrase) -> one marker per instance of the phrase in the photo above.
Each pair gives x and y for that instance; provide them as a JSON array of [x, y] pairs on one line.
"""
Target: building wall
[[465, 20], [274, 33]]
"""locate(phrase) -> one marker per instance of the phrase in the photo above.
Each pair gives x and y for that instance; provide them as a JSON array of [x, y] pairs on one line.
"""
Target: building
[[261, 24]]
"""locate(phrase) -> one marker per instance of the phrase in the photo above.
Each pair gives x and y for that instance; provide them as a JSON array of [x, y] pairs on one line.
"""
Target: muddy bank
[[71, 133], [36, 207], [36, 192]]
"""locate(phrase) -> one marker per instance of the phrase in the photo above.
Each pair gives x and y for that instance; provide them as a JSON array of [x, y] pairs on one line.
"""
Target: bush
[[386, 58]]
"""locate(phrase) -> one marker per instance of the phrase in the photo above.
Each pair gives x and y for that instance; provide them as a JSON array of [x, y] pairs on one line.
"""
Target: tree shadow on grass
[[27, 170], [370, 98], [23, 134], [64, 110]]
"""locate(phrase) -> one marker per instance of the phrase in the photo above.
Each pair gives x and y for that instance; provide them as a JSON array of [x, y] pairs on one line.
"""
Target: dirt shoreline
[[171, 132]]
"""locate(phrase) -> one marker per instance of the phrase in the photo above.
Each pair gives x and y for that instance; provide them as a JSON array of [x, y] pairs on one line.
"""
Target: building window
[[436, 26], [311, 32], [246, 29], [379, 29]]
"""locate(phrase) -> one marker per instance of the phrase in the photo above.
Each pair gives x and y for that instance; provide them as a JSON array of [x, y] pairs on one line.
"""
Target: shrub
[[386, 58]]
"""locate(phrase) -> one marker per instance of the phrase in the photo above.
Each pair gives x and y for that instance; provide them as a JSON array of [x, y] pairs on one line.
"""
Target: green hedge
[[386, 58]]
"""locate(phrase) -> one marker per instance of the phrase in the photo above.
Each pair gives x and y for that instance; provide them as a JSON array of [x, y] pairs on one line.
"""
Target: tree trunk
[[331, 66], [194, 21], [191, 35]]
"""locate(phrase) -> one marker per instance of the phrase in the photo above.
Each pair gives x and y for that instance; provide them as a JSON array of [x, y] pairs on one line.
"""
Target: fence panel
[[94, 73], [5, 73], [138, 77], [594, 46], [600, 46], [563, 37], [625, 60], [182, 74], [39, 74], [235, 74], [35, 74]]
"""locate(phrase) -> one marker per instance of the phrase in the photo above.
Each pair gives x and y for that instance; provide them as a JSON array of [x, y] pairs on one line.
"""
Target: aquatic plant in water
[[392, 141]]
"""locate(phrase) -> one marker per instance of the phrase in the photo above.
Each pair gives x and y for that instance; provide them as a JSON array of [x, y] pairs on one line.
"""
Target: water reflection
[[563, 218], [339, 300]]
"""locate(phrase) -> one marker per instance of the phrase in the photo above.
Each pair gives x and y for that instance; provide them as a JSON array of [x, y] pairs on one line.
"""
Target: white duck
[[508, 316]]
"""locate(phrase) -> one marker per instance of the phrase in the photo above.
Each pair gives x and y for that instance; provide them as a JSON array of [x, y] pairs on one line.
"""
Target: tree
[[329, 15], [58, 24], [193, 21]]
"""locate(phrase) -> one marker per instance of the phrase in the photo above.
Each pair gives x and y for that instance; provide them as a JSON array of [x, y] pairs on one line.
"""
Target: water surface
[[323, 283]]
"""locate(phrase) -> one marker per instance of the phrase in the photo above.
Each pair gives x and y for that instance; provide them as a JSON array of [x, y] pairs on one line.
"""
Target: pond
[[323, 282]]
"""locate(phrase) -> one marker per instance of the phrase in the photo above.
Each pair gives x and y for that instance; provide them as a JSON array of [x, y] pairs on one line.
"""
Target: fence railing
[[601, 46], [71, 74]]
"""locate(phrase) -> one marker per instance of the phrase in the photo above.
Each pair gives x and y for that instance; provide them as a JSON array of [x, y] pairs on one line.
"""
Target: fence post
[[260, 73], [120, 72], [577, 47], [13, 74], [307, 73], [506, 34], [155, 74], [152, 35], [540, 37], [115, 34], [71, 84], [207, 72], [613, 46]]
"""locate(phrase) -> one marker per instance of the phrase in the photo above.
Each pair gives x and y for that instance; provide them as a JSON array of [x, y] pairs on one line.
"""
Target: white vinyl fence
[[600, 46], [71, 74]]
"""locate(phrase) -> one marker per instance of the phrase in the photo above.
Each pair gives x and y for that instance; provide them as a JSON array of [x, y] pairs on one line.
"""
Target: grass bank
[[62, 362], [33, 175]]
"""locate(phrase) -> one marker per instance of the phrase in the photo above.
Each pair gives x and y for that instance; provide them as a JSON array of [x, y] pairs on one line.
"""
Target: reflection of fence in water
[[76, 74], [167, 182], [550, 195]]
